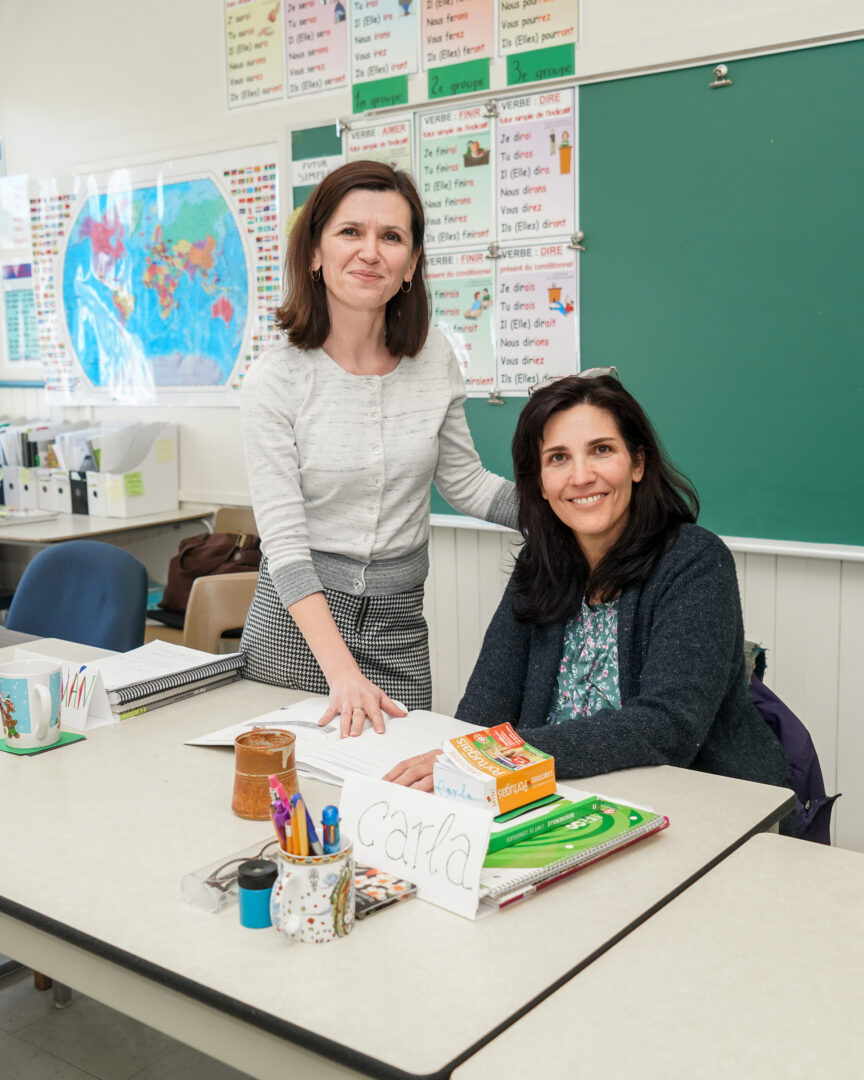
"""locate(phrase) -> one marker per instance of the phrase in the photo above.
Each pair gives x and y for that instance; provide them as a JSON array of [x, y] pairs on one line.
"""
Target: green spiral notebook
[[601, 827]]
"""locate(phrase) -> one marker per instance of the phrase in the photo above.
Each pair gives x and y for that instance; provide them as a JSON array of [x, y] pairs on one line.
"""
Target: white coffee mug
[[30, 703]]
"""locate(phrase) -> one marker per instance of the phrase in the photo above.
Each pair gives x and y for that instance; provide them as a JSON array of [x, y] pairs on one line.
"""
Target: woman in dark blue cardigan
[[619, 640]]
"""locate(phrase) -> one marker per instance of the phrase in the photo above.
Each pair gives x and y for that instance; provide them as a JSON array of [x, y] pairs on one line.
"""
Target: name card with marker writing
[[436, 843], [83, 699]]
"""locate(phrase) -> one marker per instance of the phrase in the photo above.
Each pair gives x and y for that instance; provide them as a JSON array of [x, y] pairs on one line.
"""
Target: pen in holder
[[313, 898], [214, 886]]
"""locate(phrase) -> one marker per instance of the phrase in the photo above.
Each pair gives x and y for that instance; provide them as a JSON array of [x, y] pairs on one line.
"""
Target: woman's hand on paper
[[353, 698], [415, 771]]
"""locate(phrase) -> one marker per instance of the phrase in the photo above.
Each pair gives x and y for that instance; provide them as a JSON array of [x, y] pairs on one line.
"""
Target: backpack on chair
[[208, 553], [813, 812]]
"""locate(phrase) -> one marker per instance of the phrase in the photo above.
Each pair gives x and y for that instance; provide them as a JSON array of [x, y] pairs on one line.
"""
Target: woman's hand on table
[[415, 771], [353, 698]]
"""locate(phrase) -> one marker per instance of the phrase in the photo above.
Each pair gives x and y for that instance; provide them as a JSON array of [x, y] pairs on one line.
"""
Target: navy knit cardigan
[[684, 696]]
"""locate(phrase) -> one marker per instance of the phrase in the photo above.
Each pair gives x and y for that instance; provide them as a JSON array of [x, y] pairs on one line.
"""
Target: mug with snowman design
[[30, 703]]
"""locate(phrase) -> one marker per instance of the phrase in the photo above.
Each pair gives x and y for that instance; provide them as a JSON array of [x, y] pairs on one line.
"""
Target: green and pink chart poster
[[457, 30], [536, 165], [456, 176], [461, 283], [536, 315], [316, 46], [388, 141]]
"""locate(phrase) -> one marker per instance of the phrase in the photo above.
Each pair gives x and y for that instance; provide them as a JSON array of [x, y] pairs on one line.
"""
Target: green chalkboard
[[724, 276]]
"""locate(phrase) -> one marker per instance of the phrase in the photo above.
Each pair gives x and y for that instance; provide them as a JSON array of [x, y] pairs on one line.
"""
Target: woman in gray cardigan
[[619, 640]]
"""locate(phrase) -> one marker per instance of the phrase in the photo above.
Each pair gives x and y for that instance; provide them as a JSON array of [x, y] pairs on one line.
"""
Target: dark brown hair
[[552, 574], [304, 314]]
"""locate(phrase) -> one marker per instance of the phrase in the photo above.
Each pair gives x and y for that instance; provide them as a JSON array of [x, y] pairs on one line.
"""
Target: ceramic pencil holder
[[313, 898], [259, 754]]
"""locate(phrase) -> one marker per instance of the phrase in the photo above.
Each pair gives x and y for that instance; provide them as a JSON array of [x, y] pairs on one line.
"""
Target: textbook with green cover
[[548, 813], [602, 826]]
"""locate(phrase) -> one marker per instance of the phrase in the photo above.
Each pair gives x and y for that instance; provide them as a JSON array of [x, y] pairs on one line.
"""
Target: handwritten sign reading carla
[[438, 844]]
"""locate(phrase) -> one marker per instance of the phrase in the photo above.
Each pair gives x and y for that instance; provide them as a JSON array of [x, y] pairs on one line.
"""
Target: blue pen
[[312, 836], [330, 828]]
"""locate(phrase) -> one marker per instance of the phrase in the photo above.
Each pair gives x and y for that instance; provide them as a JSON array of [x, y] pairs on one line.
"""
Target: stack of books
[[160, 673], [541, 831], [494, 768]]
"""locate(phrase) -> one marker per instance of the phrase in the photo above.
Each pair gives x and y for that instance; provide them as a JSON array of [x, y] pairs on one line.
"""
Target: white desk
[[153, 538], [757, 970], [87, 527], [89, 894]]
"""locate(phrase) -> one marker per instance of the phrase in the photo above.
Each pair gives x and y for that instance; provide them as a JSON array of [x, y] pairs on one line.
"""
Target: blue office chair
[[95, 594]]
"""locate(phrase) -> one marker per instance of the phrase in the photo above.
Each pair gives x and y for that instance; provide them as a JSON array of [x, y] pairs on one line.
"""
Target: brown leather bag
[[209, 553]]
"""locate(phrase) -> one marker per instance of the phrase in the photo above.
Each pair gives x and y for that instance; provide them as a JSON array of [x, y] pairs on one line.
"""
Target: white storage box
[[152, 486]]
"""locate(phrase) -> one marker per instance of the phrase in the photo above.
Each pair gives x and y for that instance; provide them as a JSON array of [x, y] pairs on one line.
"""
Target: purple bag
[[813, 813]]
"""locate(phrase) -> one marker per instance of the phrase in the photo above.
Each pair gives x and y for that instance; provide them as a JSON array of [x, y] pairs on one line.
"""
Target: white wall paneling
[[850, 709]]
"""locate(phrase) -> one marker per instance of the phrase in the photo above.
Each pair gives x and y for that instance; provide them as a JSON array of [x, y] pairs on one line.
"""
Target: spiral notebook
[[159, 666], [602, 826]]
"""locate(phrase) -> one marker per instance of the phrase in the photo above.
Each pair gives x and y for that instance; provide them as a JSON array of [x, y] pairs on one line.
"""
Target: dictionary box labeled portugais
[[494, 768]]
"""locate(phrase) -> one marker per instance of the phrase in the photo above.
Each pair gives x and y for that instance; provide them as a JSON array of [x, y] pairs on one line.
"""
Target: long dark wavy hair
[[304, 313], [552, 574]]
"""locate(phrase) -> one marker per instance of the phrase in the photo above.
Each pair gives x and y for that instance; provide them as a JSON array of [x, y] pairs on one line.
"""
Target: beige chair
[[217, 602], [235, 519]]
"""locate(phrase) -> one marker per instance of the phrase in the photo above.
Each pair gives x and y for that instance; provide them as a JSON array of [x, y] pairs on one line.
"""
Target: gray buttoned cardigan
[[684, 696]]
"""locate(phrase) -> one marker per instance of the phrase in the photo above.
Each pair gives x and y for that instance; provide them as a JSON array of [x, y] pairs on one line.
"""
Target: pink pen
[[280, 810], [277, 790]]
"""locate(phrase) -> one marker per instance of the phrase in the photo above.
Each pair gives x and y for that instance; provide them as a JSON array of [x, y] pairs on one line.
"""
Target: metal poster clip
[[720, 73]]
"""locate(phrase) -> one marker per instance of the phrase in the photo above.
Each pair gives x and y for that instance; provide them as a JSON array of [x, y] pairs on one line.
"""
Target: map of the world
[[155, 287]]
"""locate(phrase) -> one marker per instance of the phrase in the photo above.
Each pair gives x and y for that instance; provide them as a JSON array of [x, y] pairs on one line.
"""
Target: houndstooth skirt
[[387, 636]]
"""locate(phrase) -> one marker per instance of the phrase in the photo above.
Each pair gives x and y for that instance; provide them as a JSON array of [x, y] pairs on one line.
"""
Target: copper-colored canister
[[259, 754]]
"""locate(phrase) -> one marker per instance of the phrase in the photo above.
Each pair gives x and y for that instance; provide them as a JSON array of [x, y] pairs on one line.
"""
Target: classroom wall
[[105, 83]]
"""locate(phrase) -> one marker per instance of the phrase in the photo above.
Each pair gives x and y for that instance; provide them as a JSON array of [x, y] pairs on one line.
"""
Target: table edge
[[319, 1044]]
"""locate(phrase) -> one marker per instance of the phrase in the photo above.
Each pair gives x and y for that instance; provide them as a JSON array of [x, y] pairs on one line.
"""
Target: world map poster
[[169, 278]]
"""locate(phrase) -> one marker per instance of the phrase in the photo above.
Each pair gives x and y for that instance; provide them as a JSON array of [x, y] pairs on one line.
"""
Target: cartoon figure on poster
[[555, 303], [475, 154], [479, 304], [272, 16], [564, 152]]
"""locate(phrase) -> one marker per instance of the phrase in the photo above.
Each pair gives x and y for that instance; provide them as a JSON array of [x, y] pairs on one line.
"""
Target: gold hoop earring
[[315, 274], [409, 283]]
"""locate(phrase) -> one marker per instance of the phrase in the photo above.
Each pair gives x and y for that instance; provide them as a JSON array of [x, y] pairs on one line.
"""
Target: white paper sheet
[[319, 752]]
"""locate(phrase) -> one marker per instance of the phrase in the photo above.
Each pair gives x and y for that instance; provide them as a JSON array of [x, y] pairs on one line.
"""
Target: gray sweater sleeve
[[268, 418]]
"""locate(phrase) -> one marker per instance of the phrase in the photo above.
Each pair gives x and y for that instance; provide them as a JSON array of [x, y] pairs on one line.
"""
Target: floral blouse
[[588, 673]]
